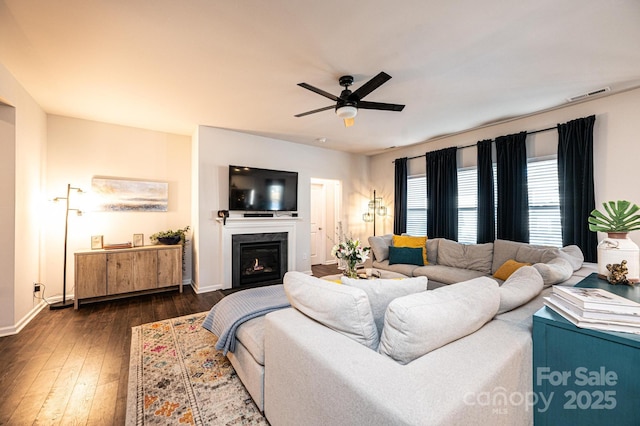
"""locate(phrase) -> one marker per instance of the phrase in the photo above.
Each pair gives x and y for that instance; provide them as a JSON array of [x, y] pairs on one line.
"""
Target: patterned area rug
[[176, 376]]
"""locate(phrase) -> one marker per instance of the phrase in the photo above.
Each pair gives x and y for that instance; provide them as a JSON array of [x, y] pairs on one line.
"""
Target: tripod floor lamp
[[375, 208], [66, 303]]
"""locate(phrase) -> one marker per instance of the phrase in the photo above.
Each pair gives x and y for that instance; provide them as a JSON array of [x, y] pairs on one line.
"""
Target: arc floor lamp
[[64, 303]]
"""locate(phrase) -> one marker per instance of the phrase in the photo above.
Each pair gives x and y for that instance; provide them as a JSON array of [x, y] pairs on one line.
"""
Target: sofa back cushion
[[504, 250], [522, 286], [381, 292], [477, 257], [380, 246], [415, 325], [342, 308]]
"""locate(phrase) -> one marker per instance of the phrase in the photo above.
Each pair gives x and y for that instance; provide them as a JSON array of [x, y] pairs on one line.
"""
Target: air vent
[[590, 94]]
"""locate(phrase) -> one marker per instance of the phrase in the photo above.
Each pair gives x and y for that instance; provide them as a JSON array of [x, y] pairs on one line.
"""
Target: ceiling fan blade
[[318, 91], [371, 85], [314, 111], [348, 122], [380, 105]]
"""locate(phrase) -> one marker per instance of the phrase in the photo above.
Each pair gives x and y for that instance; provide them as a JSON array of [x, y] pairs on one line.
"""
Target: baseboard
[[205, 289], [15, 329]]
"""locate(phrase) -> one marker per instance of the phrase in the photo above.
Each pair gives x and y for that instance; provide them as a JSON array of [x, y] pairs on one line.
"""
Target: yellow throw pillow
[[413, 242], [508, 268]]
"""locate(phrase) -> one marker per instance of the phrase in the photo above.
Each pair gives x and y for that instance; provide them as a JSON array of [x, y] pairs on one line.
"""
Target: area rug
[[176, 376]]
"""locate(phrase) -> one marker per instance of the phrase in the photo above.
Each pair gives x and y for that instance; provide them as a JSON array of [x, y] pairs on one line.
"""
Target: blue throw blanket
[[228, 314]]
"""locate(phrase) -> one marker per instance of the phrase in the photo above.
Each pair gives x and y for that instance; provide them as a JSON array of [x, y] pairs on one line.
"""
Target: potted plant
[[170, 237], [617, 220]]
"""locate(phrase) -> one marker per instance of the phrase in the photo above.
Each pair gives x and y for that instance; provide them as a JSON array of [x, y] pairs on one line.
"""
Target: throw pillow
[[477, 257], [381, 292], [406, 255], [508, 268], [411, 241], [380, 246], [339, 307], [415, 325], [555, 271], [522, 286]]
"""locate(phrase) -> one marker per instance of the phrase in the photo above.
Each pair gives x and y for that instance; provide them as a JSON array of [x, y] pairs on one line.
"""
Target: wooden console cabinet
[[117, 273]]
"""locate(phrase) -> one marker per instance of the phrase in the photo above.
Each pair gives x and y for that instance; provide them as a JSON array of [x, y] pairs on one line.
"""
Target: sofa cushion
[[432, 250], [342, 308], [406, 255], [508, 268], [414, 242], [380, 246], [573, 255], [446, 274], [504, 250], [400, 268], [477, 257], [251, 335], [522, 286], [380, 292], [554, 271], [419, 323]]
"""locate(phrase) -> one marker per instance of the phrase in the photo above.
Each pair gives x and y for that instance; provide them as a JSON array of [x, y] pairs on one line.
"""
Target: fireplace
[[258, 259]]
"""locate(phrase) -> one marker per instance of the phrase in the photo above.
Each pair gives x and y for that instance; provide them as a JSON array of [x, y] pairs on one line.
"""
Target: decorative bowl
[[169, 241]]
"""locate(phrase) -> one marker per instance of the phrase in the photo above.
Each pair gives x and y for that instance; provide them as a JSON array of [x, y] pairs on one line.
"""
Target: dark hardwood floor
[[72, 367]]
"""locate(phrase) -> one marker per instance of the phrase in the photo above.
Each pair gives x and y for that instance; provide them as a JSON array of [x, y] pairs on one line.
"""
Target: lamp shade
[[346, 111]]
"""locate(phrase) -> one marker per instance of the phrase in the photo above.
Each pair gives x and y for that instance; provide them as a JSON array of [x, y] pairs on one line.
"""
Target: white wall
[[79, 150], [23, 164], [616, 146], [215, 149]]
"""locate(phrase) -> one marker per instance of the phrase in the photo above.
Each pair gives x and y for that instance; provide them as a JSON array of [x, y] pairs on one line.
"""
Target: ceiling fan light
[[346, 111]]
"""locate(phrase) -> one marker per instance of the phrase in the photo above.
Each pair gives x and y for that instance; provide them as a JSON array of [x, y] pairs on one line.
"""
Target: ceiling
[[172, 65]]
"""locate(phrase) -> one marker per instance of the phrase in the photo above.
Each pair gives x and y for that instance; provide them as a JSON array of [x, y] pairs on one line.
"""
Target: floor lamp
[[376, 208], [66, 303]]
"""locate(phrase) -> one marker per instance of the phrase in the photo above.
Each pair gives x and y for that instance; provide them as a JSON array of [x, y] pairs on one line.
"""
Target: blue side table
[[585, 377]]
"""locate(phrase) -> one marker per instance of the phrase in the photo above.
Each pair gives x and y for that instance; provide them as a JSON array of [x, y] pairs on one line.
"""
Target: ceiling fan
[[348, 103]]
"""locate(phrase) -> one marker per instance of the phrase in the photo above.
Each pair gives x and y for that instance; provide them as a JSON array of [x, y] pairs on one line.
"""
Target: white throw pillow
[[382, 291], [522, 286], [554, 271], [415, 325], [341, 308]]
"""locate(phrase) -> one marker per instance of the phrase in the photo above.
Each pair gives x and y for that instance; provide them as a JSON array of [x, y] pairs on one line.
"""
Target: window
[[544, 203], [417, 205]]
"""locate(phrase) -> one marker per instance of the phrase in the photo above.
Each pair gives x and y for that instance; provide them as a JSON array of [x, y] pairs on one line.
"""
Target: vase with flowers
[[350, 253]]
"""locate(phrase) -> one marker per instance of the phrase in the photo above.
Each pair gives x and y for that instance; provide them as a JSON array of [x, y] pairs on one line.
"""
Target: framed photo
[[138, 240], [96, 242]]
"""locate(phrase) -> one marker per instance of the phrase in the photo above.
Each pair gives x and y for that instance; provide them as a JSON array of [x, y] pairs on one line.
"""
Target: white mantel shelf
[[251, 225]]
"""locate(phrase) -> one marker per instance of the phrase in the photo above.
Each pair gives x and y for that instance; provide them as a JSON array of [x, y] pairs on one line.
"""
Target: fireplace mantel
[[253, 225]]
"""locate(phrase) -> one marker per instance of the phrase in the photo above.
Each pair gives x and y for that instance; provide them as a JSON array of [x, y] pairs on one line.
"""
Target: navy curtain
[[486, 201], [513, 198], [442, 194], [400, 197], [575, 179]]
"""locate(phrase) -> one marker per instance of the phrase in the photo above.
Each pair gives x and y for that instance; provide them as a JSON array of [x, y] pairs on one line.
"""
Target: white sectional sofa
[[302, 370]]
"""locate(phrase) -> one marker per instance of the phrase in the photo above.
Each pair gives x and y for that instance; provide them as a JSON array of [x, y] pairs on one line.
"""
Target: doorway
[[326, 205]]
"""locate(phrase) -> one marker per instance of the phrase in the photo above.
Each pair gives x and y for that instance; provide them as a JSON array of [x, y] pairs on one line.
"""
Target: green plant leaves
[[619, 216]]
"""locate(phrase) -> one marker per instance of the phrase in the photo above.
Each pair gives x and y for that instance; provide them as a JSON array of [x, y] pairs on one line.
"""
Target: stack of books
[[595, 308]]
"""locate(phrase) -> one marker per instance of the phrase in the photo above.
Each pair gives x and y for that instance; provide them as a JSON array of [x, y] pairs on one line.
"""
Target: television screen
[[256, 189]]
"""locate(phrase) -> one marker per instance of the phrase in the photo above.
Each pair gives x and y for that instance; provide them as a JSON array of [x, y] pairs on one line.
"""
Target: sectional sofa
[[461, 354]]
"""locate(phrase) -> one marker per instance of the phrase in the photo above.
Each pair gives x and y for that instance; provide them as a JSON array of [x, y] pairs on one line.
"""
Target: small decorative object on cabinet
[[170, 237], [109, 274], [96, 242], [138, 240], [618, 219]]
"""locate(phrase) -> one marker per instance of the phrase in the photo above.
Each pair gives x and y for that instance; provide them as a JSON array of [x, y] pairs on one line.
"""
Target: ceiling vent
[[590, 94]]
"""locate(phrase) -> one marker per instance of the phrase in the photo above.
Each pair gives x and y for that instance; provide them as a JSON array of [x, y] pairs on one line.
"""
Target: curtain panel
[[513, 198], [575, 179], [400, 197], [442, 194], [486, 201]]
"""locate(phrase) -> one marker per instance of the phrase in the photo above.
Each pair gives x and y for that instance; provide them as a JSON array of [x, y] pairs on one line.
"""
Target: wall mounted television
[[254, 189]]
